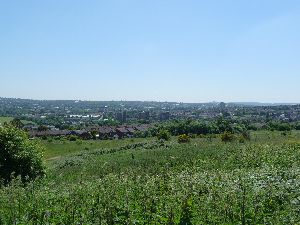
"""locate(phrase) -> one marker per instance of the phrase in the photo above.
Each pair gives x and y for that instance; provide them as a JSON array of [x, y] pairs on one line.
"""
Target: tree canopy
[[19, 156]]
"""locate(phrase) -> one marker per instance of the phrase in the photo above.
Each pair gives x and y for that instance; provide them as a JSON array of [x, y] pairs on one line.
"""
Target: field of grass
[[57, 148], [7, 119], [143, 181]]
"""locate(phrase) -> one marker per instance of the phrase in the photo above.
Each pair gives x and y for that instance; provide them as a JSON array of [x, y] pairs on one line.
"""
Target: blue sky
[[163, 50]]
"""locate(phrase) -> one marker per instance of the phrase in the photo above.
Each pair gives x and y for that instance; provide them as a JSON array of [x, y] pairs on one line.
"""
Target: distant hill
[[259, 104]]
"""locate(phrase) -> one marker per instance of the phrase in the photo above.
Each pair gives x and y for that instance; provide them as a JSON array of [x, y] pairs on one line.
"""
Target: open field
[[143, 181], [6, 119], [58, 148]]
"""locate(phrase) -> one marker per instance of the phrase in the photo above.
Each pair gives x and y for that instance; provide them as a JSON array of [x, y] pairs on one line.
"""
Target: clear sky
[[163, 50]]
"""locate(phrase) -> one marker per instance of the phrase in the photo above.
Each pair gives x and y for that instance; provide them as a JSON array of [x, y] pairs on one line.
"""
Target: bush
[[297, 126], [227, 136], [184, 138], [139, 134], [18, 155], [246, 135], [45, 138], [163, 135], [72, 138], [279, 126]]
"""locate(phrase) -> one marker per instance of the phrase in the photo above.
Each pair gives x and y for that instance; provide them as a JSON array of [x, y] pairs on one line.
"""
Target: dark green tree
[[227, 136], [163, 135], [17, 123], [18, 155]]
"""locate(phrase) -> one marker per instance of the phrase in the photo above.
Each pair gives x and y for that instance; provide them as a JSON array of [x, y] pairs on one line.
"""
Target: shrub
[[163, 135], [45, 138], [279, 126], [227, 136], [139, 134], [72, 138], [297, 126], [18, 155], [184, 138], [58, 138], [242, 138], [246, 135]]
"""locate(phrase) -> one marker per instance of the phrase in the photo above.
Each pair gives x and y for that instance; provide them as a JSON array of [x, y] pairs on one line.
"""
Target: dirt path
[[53, 158]]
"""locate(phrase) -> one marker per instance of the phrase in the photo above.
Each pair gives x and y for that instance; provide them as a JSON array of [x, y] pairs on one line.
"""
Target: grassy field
[[142, 181], [6, 119], [55, 149]]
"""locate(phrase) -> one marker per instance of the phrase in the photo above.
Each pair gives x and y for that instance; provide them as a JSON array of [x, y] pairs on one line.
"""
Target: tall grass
[[149, 182]]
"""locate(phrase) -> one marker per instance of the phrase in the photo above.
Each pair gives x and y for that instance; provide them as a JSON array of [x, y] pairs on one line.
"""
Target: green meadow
[[6, 119], [145, 181], [58, 148]]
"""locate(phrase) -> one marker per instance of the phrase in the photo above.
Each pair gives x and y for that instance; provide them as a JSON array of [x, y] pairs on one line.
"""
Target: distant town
[[119, 119]]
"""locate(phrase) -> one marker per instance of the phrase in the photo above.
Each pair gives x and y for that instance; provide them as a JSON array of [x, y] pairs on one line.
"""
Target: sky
[[158, 50]]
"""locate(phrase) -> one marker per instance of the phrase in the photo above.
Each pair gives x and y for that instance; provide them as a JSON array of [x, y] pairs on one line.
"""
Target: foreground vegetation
[[63, 147], [145, 181]]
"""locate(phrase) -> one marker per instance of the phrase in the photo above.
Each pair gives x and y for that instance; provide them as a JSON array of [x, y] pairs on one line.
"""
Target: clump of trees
[[297, 126], [227, 136], [163, 135], [279, 126], [72, 138], [198, 127], [19, 156]]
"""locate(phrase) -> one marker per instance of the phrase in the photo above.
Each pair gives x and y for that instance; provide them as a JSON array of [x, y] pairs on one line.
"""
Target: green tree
[[17, 123], [19, 156], [42, 128], [227, 136], [163, 135], [94, 134]]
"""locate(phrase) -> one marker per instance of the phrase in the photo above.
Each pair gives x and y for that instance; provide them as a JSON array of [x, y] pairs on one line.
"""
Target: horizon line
[[178, 102]]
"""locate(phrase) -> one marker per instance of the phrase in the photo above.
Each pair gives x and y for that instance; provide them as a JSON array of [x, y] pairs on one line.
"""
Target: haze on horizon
[[160, 50]]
